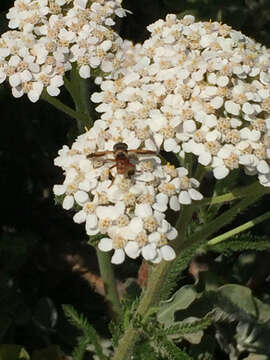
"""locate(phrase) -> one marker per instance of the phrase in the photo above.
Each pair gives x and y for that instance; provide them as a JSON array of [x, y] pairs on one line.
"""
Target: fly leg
[[110, 168]]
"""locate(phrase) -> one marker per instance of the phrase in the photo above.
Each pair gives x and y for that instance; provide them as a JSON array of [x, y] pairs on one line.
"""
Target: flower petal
[[118, 256], [68, 202], [149, 251], [132, 249], [167, 253], [105, 244]]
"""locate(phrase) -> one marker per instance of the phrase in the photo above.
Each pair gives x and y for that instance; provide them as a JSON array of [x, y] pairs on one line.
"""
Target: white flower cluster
[[129, 55], [196, 87], [47, 36], [128, 209]]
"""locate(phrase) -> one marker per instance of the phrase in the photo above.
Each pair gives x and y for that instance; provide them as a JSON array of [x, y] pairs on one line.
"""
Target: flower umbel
[[195, 87], [130, 209], [48, 36]]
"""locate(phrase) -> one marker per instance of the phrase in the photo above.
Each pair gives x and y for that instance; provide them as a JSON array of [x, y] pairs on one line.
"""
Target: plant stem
[[79, 90], [253, 189], [151, 296], [159, 274], [223, 219], [107, 274], [62, 107], [239, 229]]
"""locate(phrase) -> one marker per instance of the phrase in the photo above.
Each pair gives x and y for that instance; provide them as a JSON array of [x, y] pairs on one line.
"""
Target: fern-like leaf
[[172, 351], [116, 332], [89, 332], [183, 328], [79, 350], [241, 243], [180, 264]]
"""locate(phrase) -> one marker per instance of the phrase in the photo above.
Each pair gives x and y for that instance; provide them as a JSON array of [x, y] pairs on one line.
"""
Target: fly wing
[[99, 153]]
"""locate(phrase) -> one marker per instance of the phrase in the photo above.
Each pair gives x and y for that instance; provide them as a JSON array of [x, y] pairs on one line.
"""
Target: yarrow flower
[[199, 88], [47, 36], [130, 210], [195, 87]]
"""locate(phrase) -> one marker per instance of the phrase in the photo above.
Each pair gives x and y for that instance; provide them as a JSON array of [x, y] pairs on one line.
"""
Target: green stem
[[223, 219], [151, 296], [62, 107], [253, 189], [68, 86], [79, 90], [107, 274], [200, 172], [239, 229]]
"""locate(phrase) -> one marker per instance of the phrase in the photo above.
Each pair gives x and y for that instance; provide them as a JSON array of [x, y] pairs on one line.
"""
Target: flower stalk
[[158, 277], [62, 107], [253, 189], [239, 229], [151, 296], [223, 219], [109, 281], [79, 90]]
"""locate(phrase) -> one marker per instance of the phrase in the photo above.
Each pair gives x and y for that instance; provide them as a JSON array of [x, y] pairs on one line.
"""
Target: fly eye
[[120, 146]]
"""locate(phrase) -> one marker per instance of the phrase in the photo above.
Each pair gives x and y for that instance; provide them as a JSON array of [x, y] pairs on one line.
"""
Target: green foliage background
[[43, 254]]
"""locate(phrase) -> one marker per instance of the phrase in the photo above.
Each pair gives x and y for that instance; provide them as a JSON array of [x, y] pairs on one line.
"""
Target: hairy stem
[[158, 277], [107, 274], [151, 296]]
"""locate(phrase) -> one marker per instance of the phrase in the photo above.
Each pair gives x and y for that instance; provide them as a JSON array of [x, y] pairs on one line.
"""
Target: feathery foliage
[[79, 350], [241, 242], [172, 351], [180, 264], [90, 335], [183, 328]]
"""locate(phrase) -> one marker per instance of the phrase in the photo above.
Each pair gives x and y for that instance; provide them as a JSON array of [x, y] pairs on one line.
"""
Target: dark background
[[44, 256]]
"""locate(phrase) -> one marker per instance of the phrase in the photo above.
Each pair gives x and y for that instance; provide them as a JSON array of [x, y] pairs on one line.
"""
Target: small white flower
[[167, 253], [68, 202], [220, 172], [105, 244], [232, 108], [118, 256], [149, 251], [81, 197], [132, 249]]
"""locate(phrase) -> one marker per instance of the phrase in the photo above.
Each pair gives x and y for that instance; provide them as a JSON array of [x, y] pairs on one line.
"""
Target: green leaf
[[190, 325], [173, 352], [239, 245], [89, 331], [78, 352], [180, 300], [239, 296], [144, 350], [179, 264], [13, 352]]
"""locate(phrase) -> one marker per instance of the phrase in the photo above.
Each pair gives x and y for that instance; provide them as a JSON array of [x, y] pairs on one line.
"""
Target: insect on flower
[[122, 158]]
